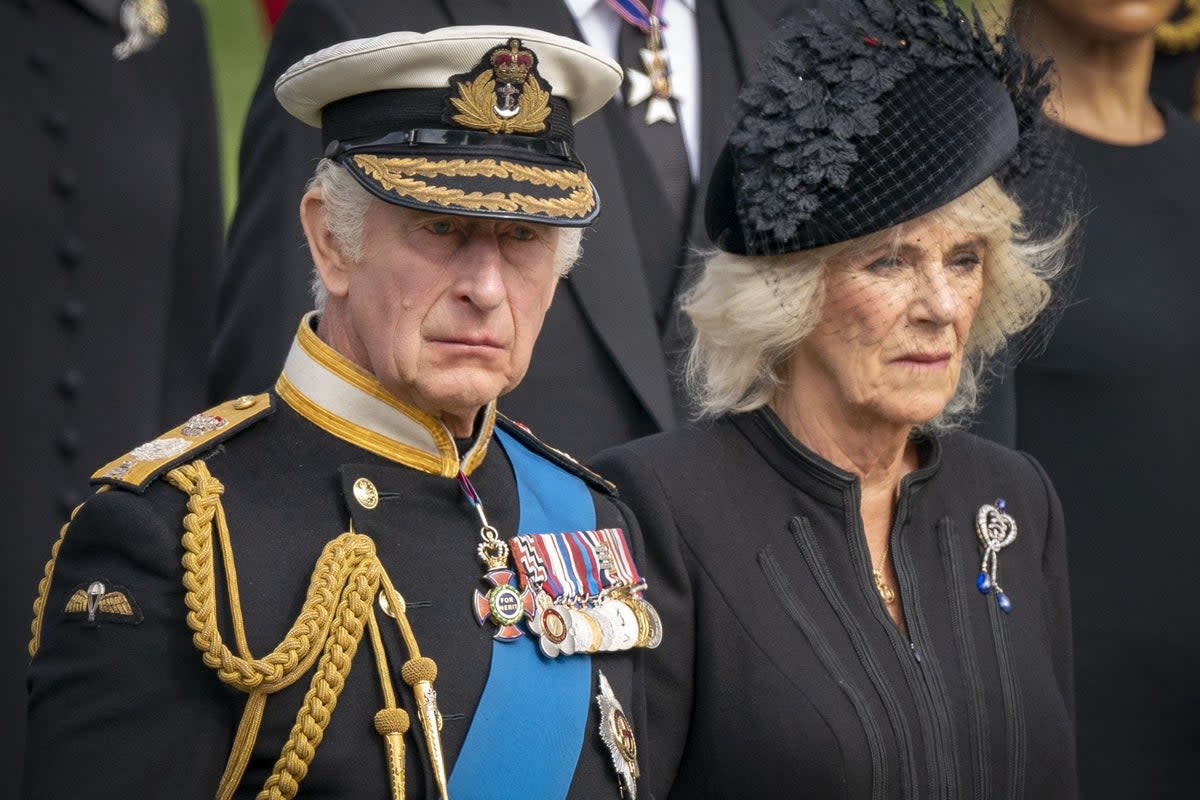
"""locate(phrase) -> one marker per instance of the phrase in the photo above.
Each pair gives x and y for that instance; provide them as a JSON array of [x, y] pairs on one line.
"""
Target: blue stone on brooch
[[983, 583]]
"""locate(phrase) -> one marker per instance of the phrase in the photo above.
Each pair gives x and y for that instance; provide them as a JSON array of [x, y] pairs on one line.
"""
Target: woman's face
[[1108, 19], [895, 320]]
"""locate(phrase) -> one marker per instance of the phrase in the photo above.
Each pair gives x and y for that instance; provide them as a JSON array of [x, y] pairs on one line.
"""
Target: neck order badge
[[653, 85]]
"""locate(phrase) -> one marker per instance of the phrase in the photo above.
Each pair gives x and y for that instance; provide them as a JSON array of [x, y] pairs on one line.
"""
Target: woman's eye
[[885, 264], [967, 261]]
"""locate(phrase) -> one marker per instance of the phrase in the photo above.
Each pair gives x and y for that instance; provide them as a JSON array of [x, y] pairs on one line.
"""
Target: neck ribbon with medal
[[653, 85]]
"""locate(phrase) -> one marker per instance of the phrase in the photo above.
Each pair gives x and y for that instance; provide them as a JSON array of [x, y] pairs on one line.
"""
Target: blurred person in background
[[113, 211], [1107, 406], [1176, 75]]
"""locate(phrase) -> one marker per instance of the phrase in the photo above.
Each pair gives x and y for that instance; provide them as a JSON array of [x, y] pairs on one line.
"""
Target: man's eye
[[524, 234], [440, 227]]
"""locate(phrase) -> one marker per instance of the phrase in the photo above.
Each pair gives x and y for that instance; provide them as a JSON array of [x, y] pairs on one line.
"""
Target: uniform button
[[365, 493], [39, 60], [66, 181], [70, 383], [70, 250], [67, 500], [68, 442], [55, 122], [71, 313], [244, 402]]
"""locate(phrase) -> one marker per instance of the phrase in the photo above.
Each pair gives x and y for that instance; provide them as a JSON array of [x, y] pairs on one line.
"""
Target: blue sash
[[528, 728]]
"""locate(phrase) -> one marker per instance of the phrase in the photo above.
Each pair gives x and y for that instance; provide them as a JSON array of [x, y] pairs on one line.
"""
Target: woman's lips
[[924, 359]]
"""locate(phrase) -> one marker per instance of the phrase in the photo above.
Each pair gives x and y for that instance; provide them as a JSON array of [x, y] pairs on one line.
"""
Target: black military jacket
[[130, 694]]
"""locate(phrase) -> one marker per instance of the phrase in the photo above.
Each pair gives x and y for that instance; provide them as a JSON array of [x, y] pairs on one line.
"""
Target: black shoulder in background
[[554, 455]]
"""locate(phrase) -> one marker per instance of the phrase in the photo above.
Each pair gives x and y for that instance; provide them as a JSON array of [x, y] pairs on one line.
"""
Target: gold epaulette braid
[[330, 625]]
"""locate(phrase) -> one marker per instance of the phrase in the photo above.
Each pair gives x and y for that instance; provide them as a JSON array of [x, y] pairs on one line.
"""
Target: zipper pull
[[916, 653]]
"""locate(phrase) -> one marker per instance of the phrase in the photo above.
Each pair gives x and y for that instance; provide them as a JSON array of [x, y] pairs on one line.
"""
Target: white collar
[[348, 402]]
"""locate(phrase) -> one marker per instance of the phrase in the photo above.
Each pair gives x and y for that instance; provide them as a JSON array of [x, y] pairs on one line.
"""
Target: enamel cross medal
[[504, 604]]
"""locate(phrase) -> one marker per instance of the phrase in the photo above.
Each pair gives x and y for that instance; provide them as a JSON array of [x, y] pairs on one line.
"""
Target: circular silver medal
[[625, 625], [603, 615], [583, 632]]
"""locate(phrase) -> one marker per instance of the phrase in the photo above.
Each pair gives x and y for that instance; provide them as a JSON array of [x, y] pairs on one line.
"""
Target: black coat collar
[[806, 470]]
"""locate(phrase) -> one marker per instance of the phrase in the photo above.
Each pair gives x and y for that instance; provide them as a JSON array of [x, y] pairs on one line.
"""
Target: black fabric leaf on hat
[[816, 100]]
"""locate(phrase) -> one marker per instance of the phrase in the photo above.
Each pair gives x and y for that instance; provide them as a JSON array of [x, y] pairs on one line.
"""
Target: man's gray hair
[[346, 203], [749, 313]]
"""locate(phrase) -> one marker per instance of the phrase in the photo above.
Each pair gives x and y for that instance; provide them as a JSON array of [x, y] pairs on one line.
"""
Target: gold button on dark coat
[[366, 494]]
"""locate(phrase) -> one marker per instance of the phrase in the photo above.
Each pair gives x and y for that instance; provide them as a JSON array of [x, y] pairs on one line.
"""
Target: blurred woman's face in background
[[1106, 19]]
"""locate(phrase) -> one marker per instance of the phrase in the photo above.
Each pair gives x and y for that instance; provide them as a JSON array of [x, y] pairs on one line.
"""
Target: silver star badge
[[617, 734]]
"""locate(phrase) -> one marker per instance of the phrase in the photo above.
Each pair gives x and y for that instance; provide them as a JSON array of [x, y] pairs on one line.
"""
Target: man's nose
[[481, 280]]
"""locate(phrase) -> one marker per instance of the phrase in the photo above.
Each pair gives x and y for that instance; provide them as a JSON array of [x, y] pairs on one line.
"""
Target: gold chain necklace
[[886, 592]]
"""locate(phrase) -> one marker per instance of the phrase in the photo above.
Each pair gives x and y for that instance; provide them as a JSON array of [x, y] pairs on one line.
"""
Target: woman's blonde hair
[[749, 313]]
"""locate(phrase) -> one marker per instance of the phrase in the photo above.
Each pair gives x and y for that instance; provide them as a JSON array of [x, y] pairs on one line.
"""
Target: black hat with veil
[[872, 114]]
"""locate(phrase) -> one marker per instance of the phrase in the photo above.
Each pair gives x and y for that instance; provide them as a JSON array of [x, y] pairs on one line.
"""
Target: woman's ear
[[327, 256]]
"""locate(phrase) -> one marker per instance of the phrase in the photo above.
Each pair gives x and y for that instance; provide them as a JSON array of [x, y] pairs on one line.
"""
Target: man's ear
[[326, 254]]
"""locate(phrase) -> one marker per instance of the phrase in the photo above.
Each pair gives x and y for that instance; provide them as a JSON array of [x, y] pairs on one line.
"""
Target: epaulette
[[138, 468], [554, 455]]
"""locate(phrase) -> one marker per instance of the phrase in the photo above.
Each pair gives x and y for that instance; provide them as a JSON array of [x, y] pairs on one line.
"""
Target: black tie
[[663, 145]]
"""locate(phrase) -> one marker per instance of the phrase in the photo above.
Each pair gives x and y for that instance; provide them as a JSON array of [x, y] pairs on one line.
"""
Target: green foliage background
[[237, 34]]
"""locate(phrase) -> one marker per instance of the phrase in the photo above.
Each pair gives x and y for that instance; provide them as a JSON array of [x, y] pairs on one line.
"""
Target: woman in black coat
[[864, 603]]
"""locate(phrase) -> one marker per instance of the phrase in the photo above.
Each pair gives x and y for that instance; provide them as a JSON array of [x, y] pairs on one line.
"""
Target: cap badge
[[504, 95]]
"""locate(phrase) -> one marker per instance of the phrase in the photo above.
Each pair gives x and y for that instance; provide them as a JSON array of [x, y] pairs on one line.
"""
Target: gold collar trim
[[343, 399]]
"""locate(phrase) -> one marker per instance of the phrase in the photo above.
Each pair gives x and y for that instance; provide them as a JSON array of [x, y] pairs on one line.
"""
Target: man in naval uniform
[[366, 583]]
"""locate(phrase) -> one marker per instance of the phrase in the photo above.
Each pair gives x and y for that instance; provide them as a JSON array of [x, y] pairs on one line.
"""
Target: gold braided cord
[[329, 679], [1178, 37], [381, 665], [294, 656], [43, 591], [243, 745], [331, 624]]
